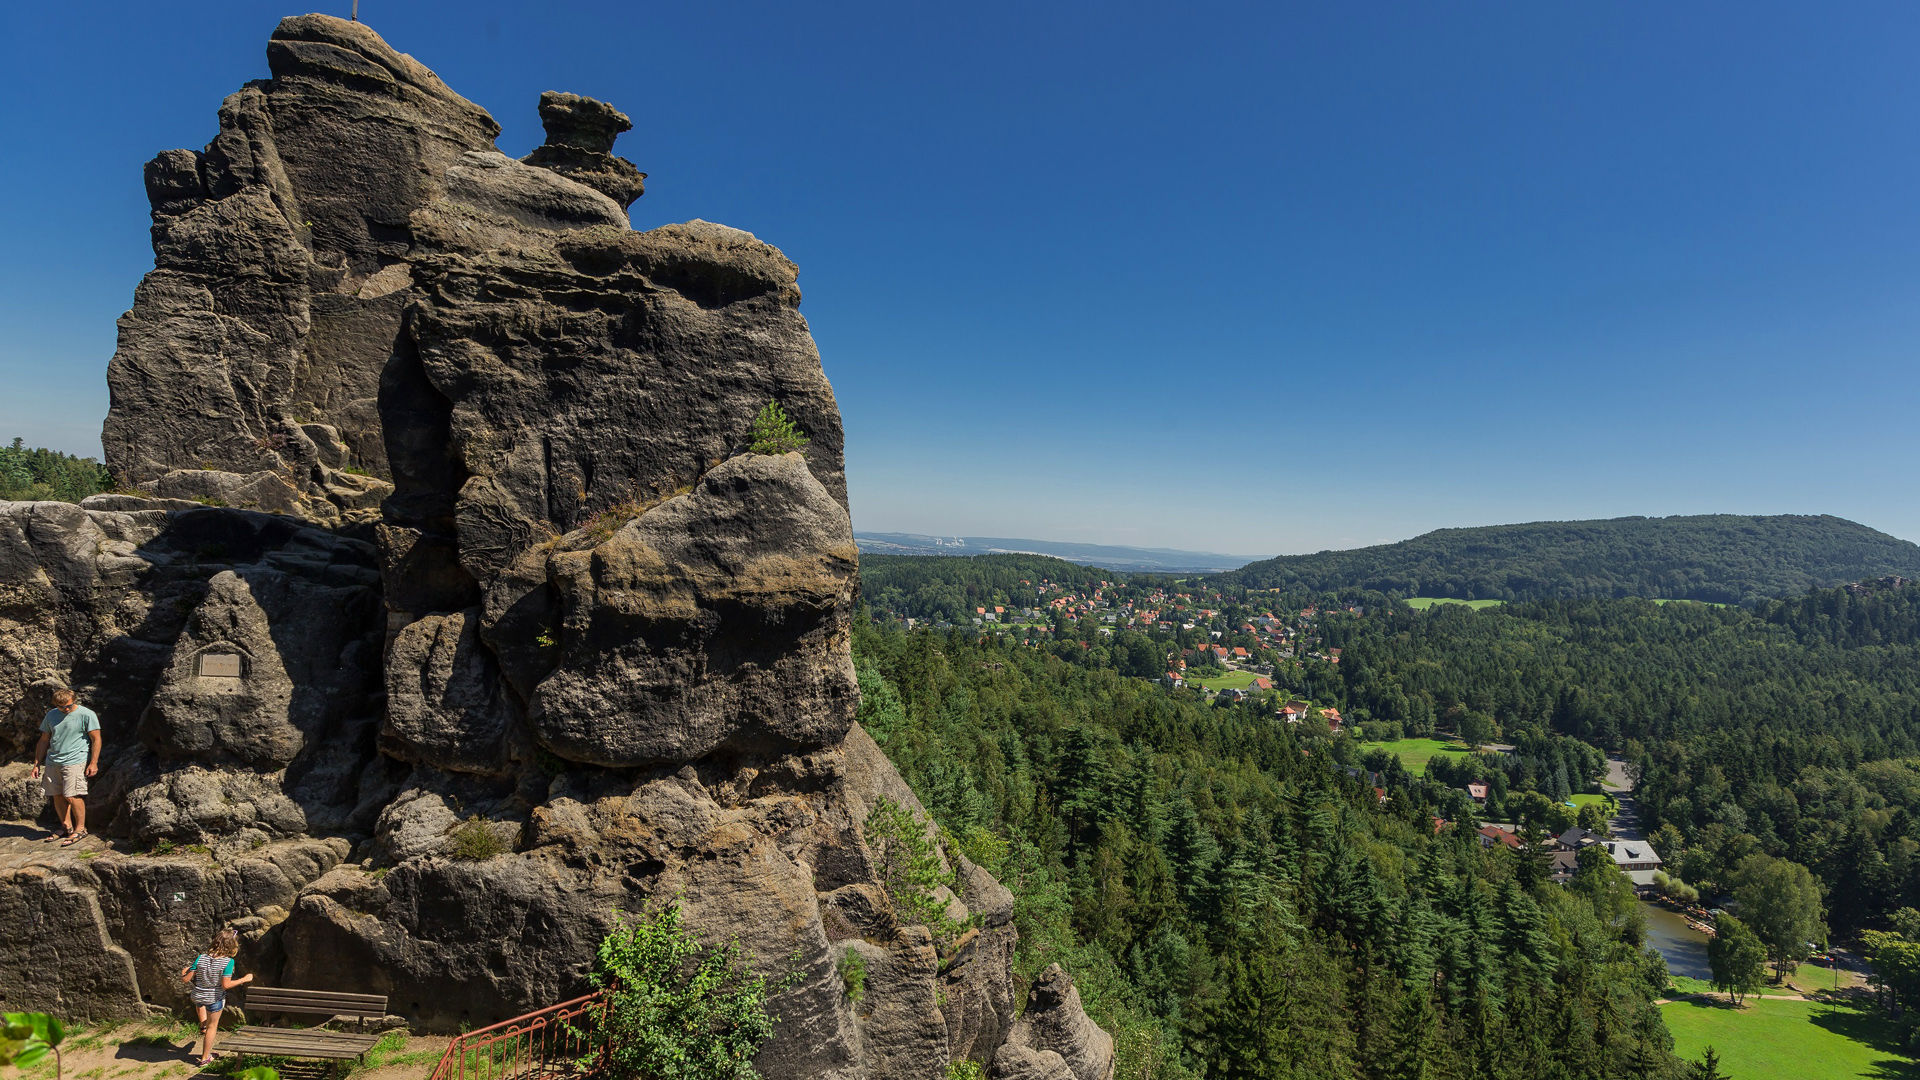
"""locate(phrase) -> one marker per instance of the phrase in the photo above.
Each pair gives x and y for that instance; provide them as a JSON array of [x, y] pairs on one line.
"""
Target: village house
[[1175, 680], [1576, 838], [1637, 858], [1477, 792], [1561, 866], [1499, 836], [1293, 711]]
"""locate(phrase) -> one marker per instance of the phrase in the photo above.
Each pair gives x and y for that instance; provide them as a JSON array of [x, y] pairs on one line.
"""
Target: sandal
[[74, 838], [57, 834]]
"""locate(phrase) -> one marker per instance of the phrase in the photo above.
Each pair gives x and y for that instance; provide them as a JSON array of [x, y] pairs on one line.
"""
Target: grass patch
[[1232, 680], [1415, 753], [1682, 984], [476, 840], [1584, 799], [1422, 603], [1790, 1040], [1678, 600], [1813, 975]]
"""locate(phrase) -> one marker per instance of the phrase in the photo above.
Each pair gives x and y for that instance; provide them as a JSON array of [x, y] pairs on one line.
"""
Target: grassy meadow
[[1422, 603], [1232, 680], [1415, 753], [1776, 1039]]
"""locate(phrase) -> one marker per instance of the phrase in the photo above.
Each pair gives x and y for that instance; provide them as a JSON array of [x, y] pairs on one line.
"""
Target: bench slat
[[286, 1043], [286, 1035], [321, 1002], [290, 1046]]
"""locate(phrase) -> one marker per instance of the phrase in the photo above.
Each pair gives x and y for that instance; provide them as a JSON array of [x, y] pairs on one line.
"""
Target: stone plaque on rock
[[219, 665]]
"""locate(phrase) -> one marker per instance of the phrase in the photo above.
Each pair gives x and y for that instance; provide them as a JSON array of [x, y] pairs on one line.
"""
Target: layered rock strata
[[454, 614]]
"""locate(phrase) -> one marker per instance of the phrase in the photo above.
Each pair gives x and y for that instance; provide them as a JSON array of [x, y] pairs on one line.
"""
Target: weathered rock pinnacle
[[450, 524]]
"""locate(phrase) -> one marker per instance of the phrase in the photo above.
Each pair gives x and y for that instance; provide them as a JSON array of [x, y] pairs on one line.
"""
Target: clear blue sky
[[1259, 279]]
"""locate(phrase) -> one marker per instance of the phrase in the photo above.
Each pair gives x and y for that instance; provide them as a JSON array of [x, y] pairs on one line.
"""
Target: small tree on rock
[[680, 1010], [775, 433]]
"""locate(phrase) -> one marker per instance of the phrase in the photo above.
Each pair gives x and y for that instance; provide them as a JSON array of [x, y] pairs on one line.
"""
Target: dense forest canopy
[[949, 587], [1776, 748], [28, 474], [1792, 730], [1233, 903], [1720, 558]]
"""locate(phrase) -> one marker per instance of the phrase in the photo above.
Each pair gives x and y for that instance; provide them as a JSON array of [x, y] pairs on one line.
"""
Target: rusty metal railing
[[557, 1041]]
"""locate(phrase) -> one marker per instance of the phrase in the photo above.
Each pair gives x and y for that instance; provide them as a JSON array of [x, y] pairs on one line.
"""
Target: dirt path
[[168, 1050]]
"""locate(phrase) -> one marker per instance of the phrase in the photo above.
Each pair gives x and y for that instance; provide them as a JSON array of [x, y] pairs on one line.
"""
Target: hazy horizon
[[1242, 280]]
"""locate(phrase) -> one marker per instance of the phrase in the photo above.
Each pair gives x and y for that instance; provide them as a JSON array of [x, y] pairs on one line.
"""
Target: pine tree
[[1708, 1067], [775, 433]]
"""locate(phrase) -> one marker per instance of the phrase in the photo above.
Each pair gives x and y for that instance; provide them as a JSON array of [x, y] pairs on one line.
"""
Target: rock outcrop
[[453, 612]]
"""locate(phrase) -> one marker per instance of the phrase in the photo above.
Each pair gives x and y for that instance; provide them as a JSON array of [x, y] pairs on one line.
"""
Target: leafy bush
[[27, 1038], [476, 840], [774, 432], [680, 1010], [965, 1069]]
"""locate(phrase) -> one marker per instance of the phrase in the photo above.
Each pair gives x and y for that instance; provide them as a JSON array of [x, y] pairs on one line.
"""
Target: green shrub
[[853, 974], [475, 840], [965, 1069], [774, 432], [680, 1010]]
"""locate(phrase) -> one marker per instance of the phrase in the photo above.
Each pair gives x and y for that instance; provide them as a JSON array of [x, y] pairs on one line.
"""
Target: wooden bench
[[305, 1042]]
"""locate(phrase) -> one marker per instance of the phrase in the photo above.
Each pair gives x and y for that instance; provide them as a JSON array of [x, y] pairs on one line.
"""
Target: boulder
[[716, 620]]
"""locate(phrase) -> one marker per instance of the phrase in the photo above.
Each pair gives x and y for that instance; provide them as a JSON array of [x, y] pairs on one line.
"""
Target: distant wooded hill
[[1721, 558], [1148, 560]]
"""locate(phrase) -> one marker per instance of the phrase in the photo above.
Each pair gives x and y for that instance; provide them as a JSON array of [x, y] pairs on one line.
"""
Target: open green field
[[1813, 975], [1584, 799], [1672, 600], [1790, 1040], [1415, 753], [1422, 603], [1232, 680]]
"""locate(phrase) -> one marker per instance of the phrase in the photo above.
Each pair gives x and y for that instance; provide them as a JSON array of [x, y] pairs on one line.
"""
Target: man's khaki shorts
[[68, 780]]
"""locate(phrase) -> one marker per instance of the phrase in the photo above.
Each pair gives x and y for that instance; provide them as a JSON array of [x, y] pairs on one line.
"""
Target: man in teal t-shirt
[[69, 748]]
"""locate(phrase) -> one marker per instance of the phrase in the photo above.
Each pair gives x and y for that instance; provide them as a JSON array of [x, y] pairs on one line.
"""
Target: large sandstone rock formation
[[456, 615]]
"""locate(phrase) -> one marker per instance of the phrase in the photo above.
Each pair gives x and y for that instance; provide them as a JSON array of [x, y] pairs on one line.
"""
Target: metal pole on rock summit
[[356, 11]]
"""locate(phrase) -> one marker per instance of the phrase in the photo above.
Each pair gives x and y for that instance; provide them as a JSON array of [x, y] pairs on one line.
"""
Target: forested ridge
[[1791, 731], [1233, 903], [949, 587], [1720, 558]]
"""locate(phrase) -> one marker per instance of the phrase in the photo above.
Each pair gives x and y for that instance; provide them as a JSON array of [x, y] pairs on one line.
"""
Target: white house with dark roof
[[1637, 858]]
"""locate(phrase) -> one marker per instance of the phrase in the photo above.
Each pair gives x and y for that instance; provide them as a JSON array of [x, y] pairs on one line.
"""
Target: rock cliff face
[[455, 613]]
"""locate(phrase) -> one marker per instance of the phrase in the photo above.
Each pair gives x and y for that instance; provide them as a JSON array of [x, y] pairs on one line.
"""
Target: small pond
[[1685, 948]]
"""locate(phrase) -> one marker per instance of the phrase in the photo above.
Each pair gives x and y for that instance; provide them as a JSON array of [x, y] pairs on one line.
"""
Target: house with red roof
[[1495, 836]]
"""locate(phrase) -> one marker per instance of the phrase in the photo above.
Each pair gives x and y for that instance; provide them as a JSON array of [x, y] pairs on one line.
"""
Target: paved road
[[1626, 824], [1616, 776]]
